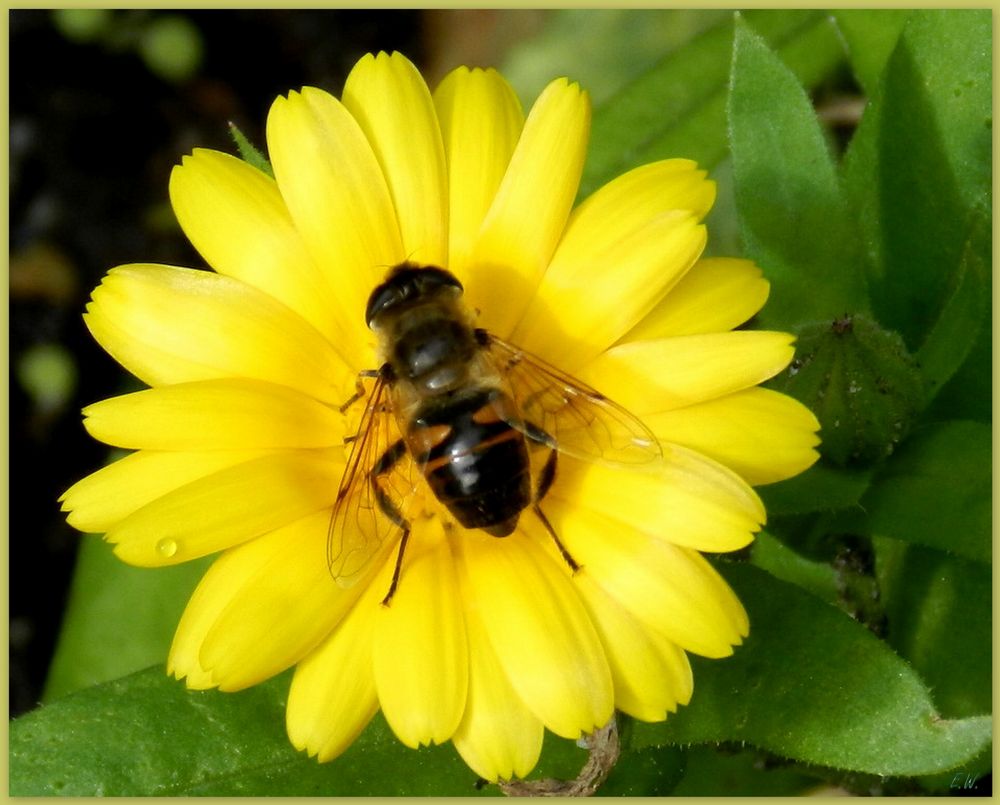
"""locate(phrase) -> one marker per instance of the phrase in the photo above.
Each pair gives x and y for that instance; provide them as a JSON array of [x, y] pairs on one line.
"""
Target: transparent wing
[[571, 416], [377, 481]]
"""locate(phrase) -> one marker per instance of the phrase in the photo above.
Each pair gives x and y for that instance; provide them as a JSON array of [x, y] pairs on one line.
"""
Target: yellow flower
[[240, 441]]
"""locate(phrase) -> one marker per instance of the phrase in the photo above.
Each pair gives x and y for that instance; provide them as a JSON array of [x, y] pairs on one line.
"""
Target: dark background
[[96, 125]]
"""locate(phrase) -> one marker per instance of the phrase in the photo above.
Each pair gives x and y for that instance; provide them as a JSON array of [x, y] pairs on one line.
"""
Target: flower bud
[[862, 384]]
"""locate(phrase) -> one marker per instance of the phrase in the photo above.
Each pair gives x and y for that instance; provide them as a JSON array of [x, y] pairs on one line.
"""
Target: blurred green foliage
[[82, 24], [170, 45], [48, 374]]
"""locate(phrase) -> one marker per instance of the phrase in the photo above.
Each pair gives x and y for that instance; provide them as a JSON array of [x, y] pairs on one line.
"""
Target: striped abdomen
[[476, 464]]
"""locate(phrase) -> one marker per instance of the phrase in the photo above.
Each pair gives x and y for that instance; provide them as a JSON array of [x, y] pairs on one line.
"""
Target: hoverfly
[[458, 407]]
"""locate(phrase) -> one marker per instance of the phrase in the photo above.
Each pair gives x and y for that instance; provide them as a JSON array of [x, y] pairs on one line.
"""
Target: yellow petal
[[666, 373], [332, 697], [629, 200], [623, 249], [533, 202], [627, 205], [280, 611], [228, 413], [585, 303], [499, 738], [389, 99], [761, 434], [230, 507], [670, 589], [213, 594], [481, 119], [234, 215], [687, 499], [539, 630], [106, 497], [420, 651], [173, 325], [651, 674], [337, 195], [717, 294]]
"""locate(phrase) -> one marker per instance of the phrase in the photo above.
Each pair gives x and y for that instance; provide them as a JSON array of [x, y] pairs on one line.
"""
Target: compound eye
[[432, 278], [384, 296], [407, 283]]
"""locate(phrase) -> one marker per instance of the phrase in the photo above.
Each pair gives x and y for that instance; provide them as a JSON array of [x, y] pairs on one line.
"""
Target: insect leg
[[573, 564], [399, 566], [382, 467], [389, 509], [536, 434], [548, 475], [359, 388]]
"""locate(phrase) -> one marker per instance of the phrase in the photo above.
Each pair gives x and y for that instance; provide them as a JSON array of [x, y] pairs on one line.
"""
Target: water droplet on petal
[[166, 547]]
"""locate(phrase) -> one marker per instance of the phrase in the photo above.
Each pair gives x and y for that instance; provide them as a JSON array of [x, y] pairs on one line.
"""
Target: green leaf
[[650, 772], [726, 772], [146, 735], [938, 608], [772, 555], [622, 43], [249, 153], [871, 35], [937, 491], [678, 108], [919, 168], [963, 314], [812, 685], [969, 392], [792, 213], [822, 487], [111, 604]]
